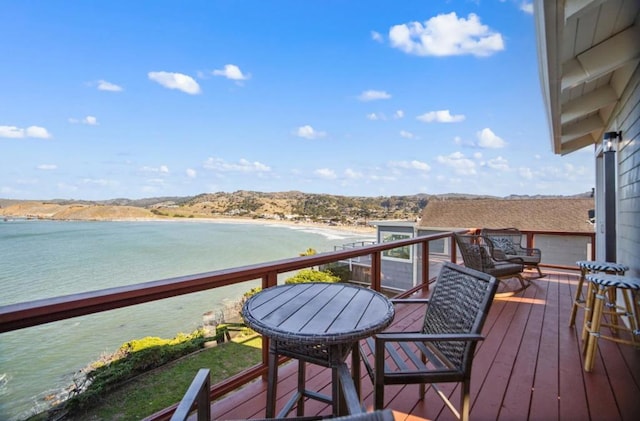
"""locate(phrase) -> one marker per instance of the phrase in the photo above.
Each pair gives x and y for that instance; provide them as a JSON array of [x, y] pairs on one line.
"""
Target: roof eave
[[549, 19]]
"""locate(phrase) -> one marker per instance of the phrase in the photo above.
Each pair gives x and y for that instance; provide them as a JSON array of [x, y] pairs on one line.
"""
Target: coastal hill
[[293, 205]]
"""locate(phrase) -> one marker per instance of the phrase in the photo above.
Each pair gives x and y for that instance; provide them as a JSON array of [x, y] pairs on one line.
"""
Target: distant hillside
[[292, 205]]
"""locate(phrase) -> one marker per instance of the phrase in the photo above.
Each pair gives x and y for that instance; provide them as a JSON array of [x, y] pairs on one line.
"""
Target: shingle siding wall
[[628, 226]]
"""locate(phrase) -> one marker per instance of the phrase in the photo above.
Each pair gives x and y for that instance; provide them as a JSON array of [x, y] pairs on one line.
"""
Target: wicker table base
[[317, 323]]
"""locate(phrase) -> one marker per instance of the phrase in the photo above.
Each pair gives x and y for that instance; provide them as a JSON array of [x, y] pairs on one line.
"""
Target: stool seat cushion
[[602, 266], [626, 282]]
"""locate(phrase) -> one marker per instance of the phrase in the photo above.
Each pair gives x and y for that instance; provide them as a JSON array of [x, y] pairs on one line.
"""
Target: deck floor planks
[[515, 329], [498, 393], [544, 400], [570, 377]]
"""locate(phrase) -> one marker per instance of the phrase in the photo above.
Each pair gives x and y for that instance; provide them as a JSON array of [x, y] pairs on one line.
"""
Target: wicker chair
[[478, 252], [198, 395], [508, 242], [442, 351]]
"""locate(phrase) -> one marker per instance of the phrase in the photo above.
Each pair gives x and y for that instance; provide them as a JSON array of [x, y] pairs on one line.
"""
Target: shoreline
[[353, 229]]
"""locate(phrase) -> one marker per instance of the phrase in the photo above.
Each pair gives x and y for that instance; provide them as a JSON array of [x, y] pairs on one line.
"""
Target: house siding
[[436, 246], [397, 273], [563, 250], [627, 120]]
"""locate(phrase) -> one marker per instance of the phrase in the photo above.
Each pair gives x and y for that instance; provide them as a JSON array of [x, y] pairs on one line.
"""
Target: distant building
[[401, 267]]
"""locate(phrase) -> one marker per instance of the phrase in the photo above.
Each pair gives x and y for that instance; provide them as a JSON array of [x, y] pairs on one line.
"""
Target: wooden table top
[[318, 313]]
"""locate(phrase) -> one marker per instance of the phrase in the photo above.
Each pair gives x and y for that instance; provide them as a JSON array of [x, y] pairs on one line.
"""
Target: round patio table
[[318, 323]]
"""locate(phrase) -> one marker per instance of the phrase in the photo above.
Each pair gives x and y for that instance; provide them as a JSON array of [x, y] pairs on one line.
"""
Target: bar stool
[[589, 266], [602, 294]]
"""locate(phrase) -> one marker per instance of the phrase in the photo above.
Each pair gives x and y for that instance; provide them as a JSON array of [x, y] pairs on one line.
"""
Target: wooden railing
[[197, 395], [38, 312]]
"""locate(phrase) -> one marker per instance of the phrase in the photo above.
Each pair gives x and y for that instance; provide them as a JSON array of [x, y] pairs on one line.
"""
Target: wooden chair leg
[[379, 376], [465, 405], [272, 382], [588, 311], [594, 331], [578, 300], [301, 386], [631, 307]]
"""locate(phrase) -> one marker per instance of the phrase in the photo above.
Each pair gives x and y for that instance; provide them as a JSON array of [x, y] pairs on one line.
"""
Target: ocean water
[[41, 259]]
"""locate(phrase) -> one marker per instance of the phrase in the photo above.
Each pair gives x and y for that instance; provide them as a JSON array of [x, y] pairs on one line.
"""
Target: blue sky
[[107, 99]]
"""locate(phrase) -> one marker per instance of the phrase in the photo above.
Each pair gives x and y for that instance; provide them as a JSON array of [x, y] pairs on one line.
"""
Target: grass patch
[[160, 388]]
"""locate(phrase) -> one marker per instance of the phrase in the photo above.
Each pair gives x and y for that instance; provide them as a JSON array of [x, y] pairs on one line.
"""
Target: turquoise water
[[40, 259]]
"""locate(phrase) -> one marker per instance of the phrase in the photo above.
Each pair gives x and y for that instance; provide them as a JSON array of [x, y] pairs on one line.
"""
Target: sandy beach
[[48, 211], [357, 229]]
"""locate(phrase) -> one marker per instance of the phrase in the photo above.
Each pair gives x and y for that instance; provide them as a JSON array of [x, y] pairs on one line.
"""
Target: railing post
[[376, 271], [453, 250], [269, 279], [530, 240], [425, 263]]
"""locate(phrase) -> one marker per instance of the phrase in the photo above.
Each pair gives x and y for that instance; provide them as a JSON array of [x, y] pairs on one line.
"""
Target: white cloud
[[178, 81], [47, 167], [90, 120], [100, 182], [441, 116], [231, 71], [326, 173], [446, 35], [13, 132], [527, 7], [103, 85], [309, 132], [410, 165], [459, 163], [407, 135], [398, 114], [499, 164], [191, 173], [156, 182], [385, 177], [372, 95], [352, 174], [376, 116], [39, 132], [162, 169], [526, 173], [376, 36], [488, 139], [243, 165]]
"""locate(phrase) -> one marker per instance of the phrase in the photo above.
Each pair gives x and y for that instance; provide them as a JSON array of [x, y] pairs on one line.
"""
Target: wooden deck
[[529, 367]]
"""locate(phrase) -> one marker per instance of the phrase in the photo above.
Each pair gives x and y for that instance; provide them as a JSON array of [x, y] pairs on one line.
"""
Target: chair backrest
[[505, 239], [459, 303], [475, 251]]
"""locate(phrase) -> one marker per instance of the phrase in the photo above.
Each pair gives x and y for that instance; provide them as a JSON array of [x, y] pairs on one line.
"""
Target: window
[[399, 253]]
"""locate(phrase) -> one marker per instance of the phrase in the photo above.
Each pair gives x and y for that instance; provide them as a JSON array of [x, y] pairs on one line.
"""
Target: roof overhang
[[588, 51]]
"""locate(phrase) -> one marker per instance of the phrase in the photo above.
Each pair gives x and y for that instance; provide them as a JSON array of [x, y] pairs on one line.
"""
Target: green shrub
[[342, 271], [311, 275], [131, 359]]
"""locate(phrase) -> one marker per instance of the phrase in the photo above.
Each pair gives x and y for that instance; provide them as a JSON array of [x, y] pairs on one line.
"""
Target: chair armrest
[[528, 251], [425, 337], [410, 300], [506, 258]]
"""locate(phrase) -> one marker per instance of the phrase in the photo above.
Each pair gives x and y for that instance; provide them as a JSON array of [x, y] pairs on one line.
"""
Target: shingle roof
[[567, 214]]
